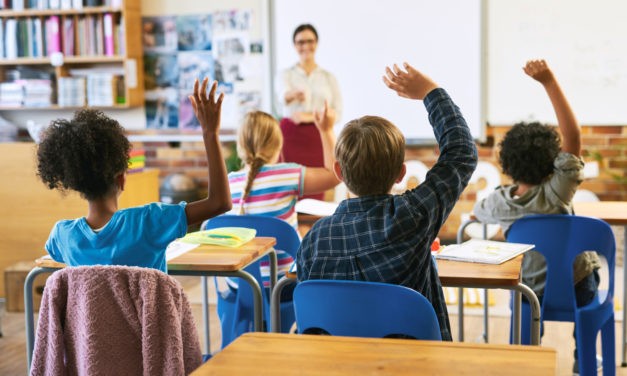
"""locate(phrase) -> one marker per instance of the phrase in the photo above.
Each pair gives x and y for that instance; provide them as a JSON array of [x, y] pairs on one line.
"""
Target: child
[[545, 177], [265, 187], [383, 238], [89, 154]]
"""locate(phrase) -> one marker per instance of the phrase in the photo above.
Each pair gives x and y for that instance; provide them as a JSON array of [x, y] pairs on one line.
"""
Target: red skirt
[[302, 145]]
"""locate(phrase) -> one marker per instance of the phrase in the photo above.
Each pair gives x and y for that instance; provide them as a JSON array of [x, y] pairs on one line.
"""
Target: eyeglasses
[[303, 42]]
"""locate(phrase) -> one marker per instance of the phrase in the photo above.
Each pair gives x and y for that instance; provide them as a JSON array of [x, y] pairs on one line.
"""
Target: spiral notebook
[[483, 251]]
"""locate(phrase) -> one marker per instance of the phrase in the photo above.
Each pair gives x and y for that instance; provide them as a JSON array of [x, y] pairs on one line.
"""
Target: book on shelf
[[10, 41], [109, 48], [53, 35], [68, 36], [71, 91], [1, 37], [483, 251]]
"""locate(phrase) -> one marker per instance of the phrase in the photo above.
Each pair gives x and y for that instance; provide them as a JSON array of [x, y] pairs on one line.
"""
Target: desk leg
[[516, 320], [274, 265], [257, 297], [624, 348], [535, 313], [460, 313], [275, 303], [29, 311], [205, 313], [486, 314]]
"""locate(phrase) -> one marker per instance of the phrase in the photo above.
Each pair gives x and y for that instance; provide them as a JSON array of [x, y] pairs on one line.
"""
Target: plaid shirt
[[387, 238]]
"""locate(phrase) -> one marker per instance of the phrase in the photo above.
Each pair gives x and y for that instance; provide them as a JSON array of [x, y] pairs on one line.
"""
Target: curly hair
[[527, 152], [83, 154]]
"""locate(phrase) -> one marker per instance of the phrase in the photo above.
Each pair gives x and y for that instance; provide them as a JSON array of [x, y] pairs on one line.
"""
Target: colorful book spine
[[53, 36], [109, 45]]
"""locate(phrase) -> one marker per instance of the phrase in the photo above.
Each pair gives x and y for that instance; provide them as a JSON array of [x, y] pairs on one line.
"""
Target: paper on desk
[[316, 207], [177, 248], [483, 251]]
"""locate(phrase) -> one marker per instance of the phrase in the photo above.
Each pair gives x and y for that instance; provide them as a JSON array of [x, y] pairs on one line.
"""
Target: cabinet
[[71, 56]]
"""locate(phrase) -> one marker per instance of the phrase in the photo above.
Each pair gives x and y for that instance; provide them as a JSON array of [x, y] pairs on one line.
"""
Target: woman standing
[[303, 89]]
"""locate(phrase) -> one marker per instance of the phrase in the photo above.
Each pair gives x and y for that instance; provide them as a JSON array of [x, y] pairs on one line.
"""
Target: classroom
[[137, 61]]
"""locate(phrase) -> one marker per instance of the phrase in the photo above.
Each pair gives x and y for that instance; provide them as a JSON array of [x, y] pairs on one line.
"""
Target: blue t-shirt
[[134, 237]]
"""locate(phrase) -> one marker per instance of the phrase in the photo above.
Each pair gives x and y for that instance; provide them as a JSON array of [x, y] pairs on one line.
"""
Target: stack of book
[[57, 4], [26, 92], [71, 91], [103, 89], [11, 94], [137, 160], [37, 93]]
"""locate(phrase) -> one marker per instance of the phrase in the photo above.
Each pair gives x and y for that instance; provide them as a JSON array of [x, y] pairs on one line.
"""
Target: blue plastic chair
[[560, 238], [236, 309], [364, 309]]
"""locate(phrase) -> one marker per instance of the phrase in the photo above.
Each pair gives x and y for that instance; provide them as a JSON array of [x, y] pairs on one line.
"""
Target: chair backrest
[[560, 238], [287, 240], [115, 320], [364, 309]]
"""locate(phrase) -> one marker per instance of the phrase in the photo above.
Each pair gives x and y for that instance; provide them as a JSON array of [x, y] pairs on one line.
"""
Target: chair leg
[[608, 343], [586, 350]]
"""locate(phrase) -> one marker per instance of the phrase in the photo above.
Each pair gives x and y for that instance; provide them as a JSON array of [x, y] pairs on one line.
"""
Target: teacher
[[303, 89]]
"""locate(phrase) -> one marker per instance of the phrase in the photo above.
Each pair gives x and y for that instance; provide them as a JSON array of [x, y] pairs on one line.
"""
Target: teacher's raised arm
[[304, 88]]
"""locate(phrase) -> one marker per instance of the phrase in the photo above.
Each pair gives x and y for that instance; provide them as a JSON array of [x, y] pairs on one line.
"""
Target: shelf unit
[[89, 59]]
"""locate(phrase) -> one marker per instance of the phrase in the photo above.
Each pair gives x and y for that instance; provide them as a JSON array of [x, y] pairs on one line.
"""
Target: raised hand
[[539, 71], [408, 83], [325, 118], [206, 108]]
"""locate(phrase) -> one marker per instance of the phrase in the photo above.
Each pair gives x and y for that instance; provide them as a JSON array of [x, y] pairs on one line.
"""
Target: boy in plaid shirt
[[384, 238]]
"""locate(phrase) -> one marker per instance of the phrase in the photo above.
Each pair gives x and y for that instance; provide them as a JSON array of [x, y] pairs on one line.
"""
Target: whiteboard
[[583, 41], [357, 39]]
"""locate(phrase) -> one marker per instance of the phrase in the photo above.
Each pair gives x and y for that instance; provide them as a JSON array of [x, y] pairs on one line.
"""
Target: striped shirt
[[274, 193]]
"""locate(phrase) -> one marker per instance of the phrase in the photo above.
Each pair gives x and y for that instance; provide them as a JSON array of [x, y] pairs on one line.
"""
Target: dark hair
[[302, 28], [84, 154], [528, 151]]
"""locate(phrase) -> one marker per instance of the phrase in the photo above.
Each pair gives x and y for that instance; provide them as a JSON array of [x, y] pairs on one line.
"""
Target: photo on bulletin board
[[159, 34], [162, 110], [194, 32]]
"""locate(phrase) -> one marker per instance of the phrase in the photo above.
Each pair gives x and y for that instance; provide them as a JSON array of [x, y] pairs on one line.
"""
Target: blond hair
[[370, 151], [259, 140]]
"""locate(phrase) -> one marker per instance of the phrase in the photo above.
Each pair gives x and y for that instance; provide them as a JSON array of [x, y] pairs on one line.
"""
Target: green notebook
[[226, 236]]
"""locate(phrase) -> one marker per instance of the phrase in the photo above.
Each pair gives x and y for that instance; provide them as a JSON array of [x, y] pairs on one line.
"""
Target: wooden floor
[[557, 335]]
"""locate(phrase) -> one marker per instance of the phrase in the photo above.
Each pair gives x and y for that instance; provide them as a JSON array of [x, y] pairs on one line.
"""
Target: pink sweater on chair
[[114, 320]]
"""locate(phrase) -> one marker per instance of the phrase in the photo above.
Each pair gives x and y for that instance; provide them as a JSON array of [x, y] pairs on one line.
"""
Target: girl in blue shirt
[[89, 154]]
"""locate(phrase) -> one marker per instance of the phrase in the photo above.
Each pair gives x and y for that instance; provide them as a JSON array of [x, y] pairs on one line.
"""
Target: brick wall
[[606, 145]]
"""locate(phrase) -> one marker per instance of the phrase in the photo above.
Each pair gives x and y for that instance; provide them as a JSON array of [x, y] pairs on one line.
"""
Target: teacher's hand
[[325, 118], [294, 95]]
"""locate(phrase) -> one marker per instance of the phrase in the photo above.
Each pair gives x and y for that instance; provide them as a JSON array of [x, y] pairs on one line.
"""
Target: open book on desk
[[483, 251], [316, 207]]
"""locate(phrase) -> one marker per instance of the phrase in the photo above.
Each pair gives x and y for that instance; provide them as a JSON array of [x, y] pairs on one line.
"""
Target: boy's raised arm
[[571, 137], [208, 110], [409, 83]]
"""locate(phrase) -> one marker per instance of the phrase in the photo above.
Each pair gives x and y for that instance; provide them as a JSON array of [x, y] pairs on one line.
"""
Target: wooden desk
[[206, 260], [275, 354], [614, 213], [458, 274]]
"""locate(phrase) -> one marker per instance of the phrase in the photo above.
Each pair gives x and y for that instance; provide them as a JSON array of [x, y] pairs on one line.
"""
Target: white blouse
[[317, 86]]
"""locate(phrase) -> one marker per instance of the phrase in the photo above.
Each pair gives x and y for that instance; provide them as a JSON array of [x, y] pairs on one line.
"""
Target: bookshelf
[[67, 54]]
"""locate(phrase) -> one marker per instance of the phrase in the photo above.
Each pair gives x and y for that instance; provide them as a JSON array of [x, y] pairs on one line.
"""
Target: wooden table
[[614, 213], [458, 274], [206, 260], [275, 354]]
